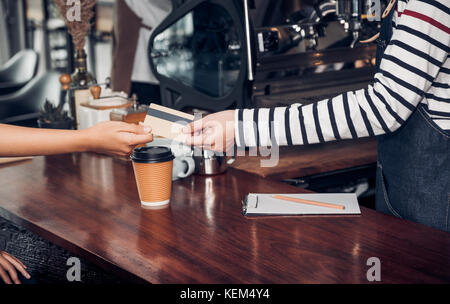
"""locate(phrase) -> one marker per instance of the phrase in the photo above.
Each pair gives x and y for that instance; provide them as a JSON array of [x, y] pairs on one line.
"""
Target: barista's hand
[[213, 132], [8, 268], [116, 138]]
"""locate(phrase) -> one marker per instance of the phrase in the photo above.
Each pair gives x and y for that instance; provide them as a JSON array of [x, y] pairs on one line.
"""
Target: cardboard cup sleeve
[[153, 171], [154, 182]]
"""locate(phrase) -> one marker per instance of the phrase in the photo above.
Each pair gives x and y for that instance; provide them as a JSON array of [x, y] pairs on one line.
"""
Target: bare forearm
[[20, 141]]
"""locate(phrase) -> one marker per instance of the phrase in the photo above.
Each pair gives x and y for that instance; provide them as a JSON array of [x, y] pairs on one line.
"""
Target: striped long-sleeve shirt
[[415, 69]]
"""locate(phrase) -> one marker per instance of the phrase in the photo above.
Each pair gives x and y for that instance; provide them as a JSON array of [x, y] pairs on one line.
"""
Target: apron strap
[[384, 15]]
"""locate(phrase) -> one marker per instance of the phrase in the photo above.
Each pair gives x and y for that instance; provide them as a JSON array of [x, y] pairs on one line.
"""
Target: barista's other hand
[[213, 132], [8, 268], [117, 138]]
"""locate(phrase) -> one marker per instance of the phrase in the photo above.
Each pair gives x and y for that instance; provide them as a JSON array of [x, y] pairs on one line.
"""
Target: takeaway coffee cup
[[153, 172]]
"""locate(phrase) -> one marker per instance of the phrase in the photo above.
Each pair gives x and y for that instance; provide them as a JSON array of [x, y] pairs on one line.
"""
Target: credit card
[[166, 122]]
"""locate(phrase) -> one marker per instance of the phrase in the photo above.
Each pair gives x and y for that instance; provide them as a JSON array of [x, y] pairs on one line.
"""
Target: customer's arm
[[116, 138]]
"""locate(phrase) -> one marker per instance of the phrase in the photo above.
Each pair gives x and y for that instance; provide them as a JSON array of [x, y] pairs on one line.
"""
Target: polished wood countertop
[[300, 161], [89, 204]]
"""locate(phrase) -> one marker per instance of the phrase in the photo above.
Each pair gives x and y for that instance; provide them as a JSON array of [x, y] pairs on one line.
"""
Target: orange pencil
[[303, 201]]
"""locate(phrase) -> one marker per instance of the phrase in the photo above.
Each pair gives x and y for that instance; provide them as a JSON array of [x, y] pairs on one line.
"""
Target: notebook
[[265, 204]]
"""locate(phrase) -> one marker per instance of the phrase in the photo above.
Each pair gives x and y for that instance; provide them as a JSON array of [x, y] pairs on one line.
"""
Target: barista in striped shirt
[[407, 107]]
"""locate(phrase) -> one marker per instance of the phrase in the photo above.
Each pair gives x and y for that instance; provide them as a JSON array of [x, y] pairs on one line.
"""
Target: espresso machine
[[211, 55]]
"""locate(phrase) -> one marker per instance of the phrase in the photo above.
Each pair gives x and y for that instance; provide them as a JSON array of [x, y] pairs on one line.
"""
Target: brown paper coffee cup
[[153, 171]]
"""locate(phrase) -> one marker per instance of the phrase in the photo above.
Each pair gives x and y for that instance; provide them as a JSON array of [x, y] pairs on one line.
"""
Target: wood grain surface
[[89, 204], [299, 161]]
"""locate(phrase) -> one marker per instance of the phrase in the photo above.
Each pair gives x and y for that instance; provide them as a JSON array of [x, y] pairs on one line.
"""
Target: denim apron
[[413, 169]]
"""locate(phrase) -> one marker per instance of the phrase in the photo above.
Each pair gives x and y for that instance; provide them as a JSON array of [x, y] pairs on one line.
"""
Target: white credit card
[[166, 122]]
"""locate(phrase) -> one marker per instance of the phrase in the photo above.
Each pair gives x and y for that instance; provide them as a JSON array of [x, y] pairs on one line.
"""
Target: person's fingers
[[16, 259], [146, 129], [218, 149], [210, 139], [197, 140], [127, 151], [113, 125], [139, 139], [17, 264], [212, 147], [195, 126], [19, 261], [5, 254], [134, 128], [10, 269], [4, 276], [188, 129]]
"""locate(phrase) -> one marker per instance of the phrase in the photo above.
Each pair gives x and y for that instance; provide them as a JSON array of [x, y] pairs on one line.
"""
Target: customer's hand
[[214, 132], [117, 138], [8, 268]]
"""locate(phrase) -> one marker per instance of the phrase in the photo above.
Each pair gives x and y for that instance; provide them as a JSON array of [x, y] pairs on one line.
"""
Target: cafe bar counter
[[88, 204]]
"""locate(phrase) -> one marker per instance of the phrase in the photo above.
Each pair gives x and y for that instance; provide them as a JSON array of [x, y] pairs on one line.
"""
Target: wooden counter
[[299, 161], [89, 204]]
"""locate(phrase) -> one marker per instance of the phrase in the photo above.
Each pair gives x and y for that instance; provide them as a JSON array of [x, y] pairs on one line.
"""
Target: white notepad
[[265, 204]]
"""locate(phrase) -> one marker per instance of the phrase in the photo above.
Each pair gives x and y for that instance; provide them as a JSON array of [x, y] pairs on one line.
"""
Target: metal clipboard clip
[[249, 201]]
